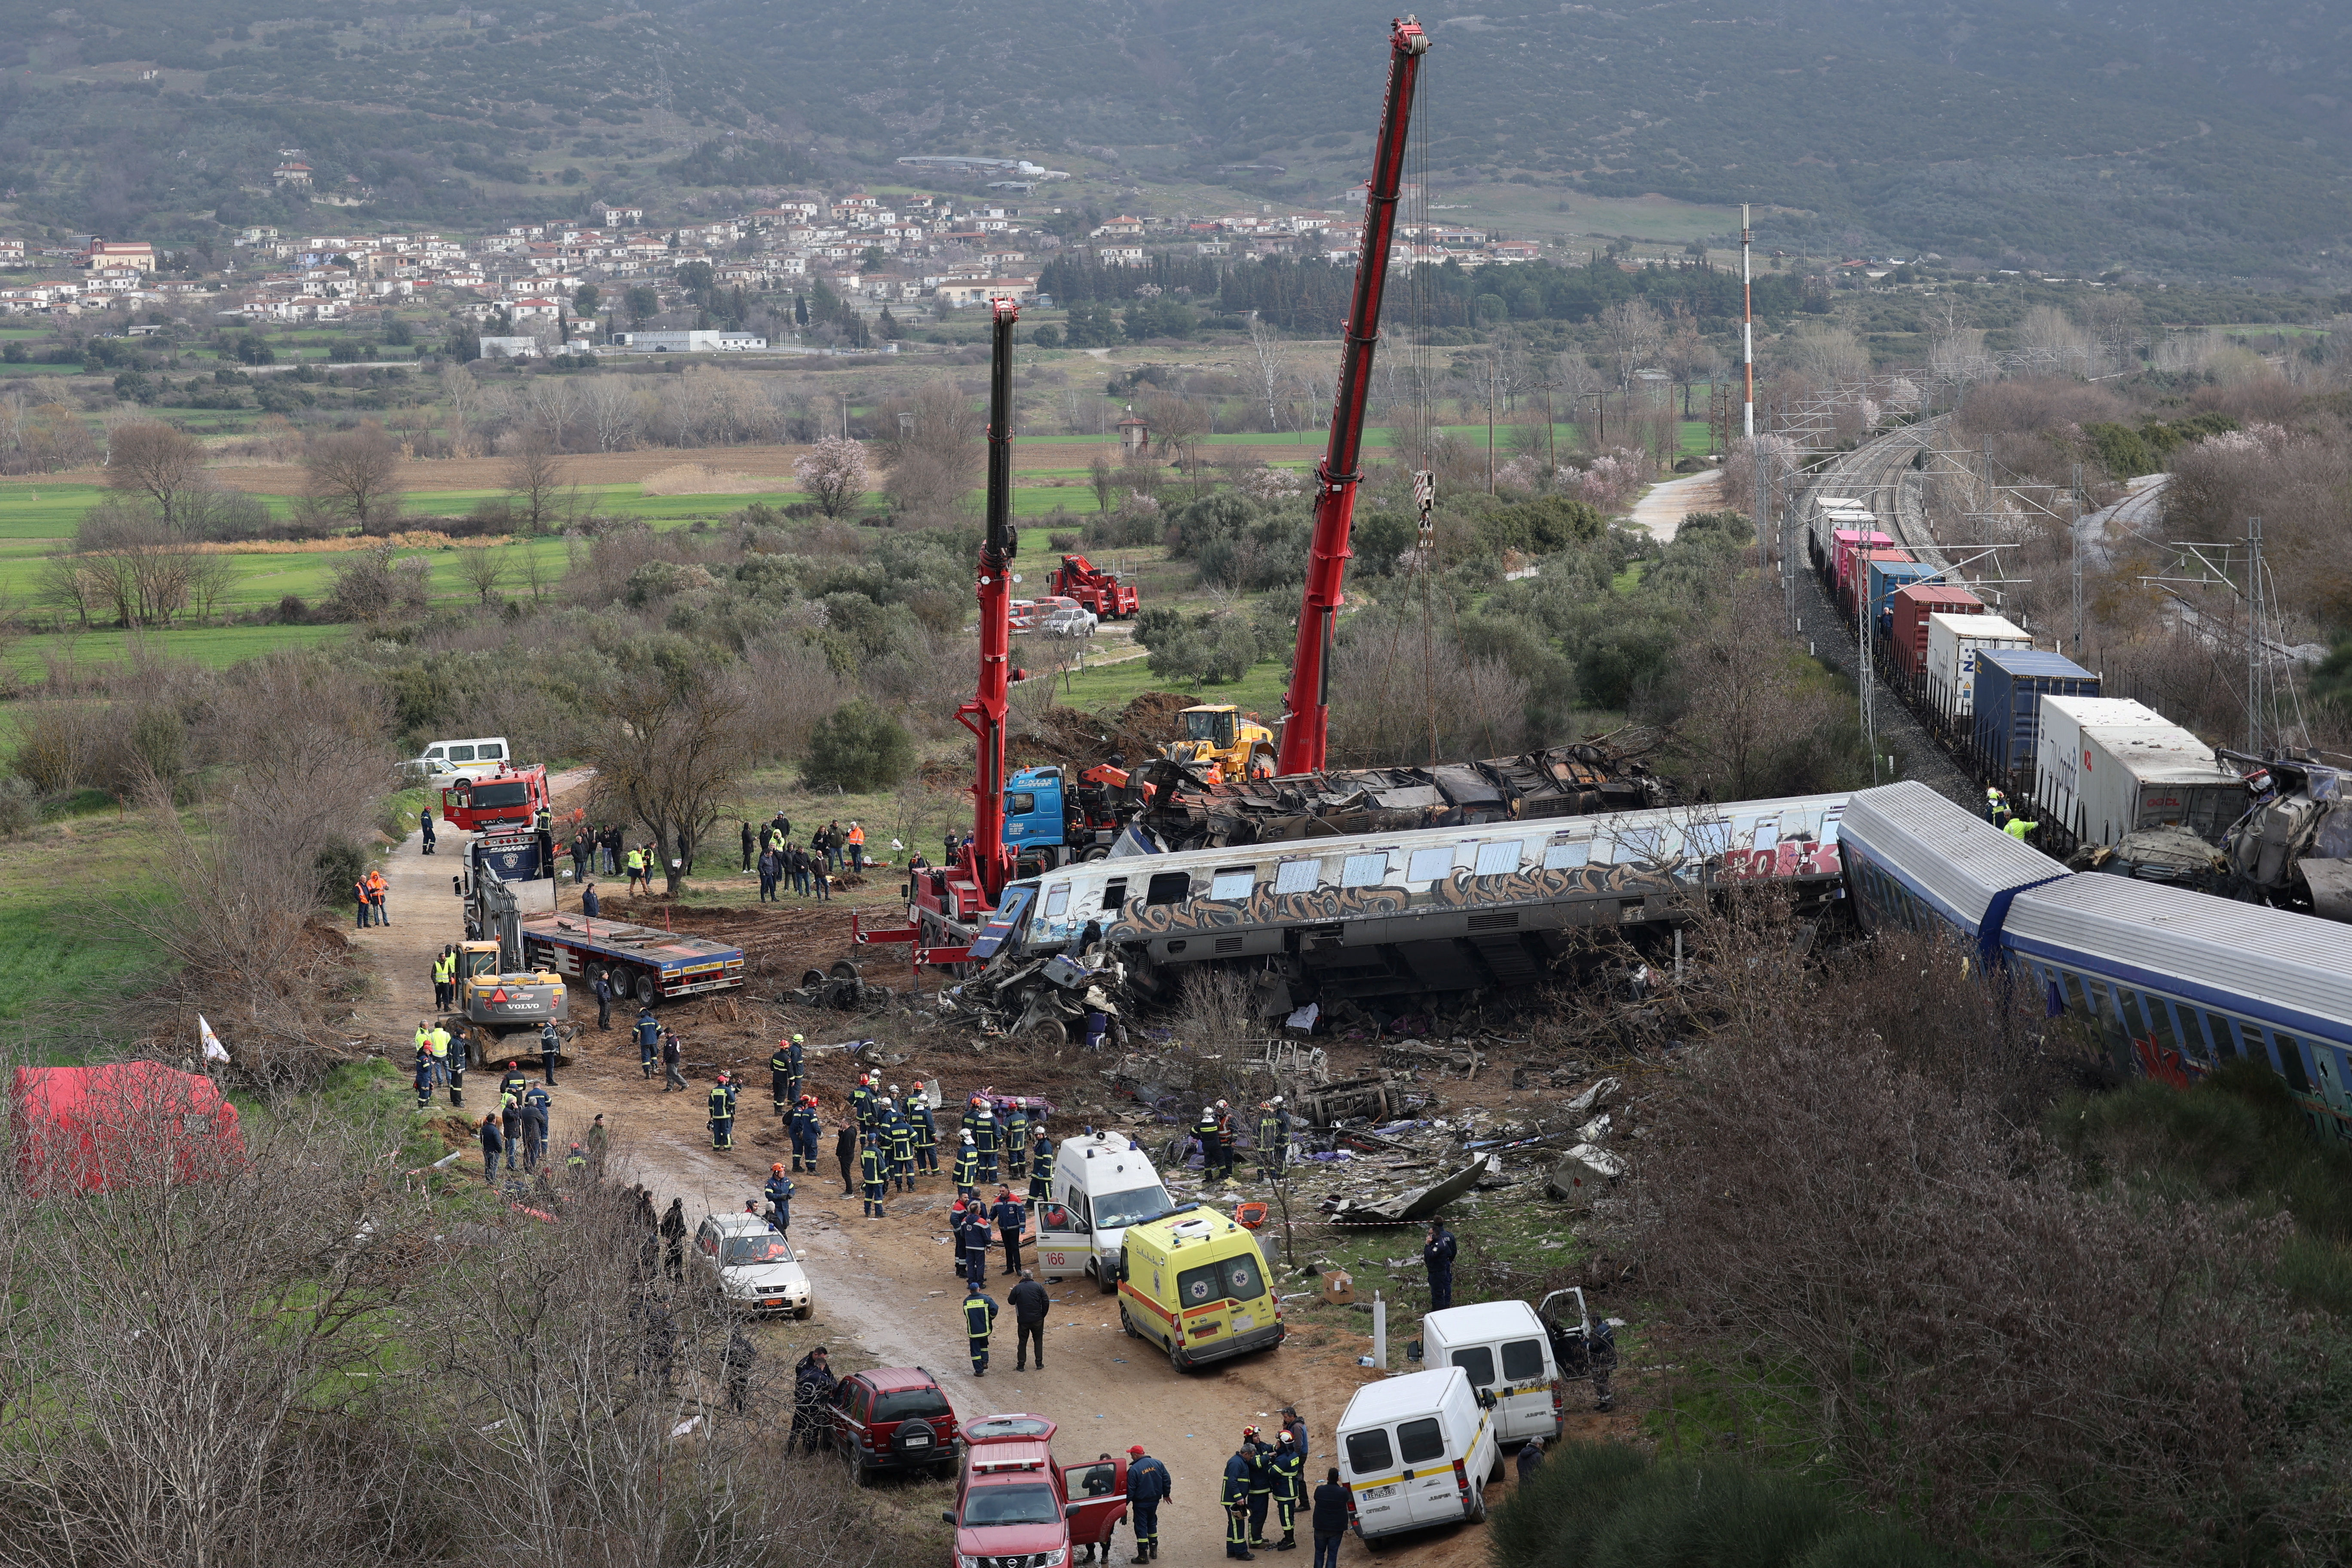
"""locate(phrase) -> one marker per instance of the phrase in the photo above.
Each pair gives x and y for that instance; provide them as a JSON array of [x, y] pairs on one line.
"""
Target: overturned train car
[[1417, 910]]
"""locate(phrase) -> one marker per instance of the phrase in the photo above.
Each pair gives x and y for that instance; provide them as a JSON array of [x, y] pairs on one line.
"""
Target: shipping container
[[1953, 642], [1849, 540], [1858, 574], [1907, 638], [2106, 766], [1886, 578], [2011, 683]]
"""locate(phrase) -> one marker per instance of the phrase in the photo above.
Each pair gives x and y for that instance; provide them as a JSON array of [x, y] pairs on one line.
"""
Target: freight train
[[2172, 982]]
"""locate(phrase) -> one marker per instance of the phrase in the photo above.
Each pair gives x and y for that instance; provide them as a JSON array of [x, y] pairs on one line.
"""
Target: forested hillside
[[2165, 135]]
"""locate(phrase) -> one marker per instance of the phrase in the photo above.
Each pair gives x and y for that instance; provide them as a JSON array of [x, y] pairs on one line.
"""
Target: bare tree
[[552, 404], [64, 582], [1106, 485], [611, 408], [484, 568], [1631, 332], [933, 445], [148, 458], [671, 753], [1273, 363], [356, 474], [534, 479]]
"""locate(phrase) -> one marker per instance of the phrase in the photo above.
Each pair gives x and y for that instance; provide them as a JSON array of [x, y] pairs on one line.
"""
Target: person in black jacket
[[673, 1230], [1030, 1304], [1148, 1485], [1330, 1519], [493, 1145], [812, 1386], [1437, 1256], [844, 1150]]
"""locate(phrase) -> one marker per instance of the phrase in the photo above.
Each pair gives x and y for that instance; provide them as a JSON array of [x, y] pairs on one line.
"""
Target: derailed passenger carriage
[[2171, 982], [1435, 909]]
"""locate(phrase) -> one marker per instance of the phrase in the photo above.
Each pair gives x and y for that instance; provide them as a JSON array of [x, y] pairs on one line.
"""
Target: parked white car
[[1066, 621], [753, 1264]]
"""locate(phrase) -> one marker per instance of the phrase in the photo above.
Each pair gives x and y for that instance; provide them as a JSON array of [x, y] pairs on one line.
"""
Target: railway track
[[1880, 474]]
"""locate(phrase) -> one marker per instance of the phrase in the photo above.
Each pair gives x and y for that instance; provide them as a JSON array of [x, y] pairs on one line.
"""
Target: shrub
[[857, 748], [339, 865], [20, 804], [1549, 1523]]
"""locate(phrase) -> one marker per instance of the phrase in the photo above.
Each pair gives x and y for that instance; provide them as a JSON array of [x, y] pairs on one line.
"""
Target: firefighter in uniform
[[1289, 1468], [722, 1115], [1041, 1164], [861, 1105], [927, 1135], [1261, 1483], [979, 1318], [1205, 1129], [1236, 1498], [967, 1167], [1016, 1143], [974, 1239], [1228, 1141], [780, 1085], [514, 1083], [1273, 1138], [902, 1149], [780, 1197], [983, 1137], [804, 1127], [457, 1074], [872, 1172]]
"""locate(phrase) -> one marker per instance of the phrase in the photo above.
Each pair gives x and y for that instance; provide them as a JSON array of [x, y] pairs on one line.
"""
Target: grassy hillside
[[2153, 134]]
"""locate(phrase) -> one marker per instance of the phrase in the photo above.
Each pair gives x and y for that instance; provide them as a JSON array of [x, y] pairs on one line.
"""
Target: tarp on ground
[[125, 1124]]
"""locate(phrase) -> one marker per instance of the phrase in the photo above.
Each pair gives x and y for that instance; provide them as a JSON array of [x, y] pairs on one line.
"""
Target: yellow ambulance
[[1194, 1283]]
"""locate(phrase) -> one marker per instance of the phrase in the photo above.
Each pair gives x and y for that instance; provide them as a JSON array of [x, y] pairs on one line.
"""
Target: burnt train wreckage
[[1419, 911], [1182, 807]]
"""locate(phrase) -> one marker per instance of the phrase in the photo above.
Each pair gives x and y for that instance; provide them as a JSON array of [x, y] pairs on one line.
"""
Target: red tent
[[82, 1129]]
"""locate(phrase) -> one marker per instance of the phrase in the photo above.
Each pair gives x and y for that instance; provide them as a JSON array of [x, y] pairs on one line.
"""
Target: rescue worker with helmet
[[979, 1319], [1287, 1468], [722, 1113], [926, 1133]]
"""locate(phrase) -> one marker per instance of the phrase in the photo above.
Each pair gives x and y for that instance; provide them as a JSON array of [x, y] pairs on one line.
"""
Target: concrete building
[[693, 342]]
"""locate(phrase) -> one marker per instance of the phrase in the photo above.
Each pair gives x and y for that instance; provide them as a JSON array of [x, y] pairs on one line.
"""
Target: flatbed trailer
[[647, 966]]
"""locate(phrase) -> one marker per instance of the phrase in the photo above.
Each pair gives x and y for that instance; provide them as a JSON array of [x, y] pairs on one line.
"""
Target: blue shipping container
[[2010, 685], [1888, 578]]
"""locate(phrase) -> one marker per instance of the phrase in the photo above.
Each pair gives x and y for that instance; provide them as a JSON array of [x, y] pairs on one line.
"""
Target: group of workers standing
[[1998, 813], [830, 849], [1218, 1134], [608, 850], [1264, 1478]]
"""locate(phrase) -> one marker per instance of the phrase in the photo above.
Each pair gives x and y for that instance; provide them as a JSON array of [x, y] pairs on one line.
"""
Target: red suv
[[1015, 1508], [894, 1418]]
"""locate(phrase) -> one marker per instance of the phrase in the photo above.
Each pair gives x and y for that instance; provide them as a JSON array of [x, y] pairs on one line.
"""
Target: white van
[[1417, 1450], [1503, 1348], [1102, 1183], [443, 760]]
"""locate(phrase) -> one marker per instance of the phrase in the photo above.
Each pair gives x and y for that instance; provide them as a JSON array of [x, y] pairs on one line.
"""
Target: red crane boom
[[986, 860], [1307, 710]]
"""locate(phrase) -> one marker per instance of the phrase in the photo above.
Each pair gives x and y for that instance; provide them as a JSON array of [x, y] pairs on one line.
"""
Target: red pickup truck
[[1015, 1504]]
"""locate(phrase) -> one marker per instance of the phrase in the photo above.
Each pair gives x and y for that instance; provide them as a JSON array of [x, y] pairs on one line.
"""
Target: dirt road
[[888, 1283]]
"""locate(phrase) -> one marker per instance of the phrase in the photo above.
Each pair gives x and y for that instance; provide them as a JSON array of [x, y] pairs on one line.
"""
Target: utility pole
[[1747, 331], [2074, 534], [1551, 454], [1600, 402], [1493, 367], [2254, 636]]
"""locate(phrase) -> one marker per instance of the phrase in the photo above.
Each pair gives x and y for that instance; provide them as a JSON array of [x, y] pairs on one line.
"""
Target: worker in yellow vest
[[637, 870], [444, 979], [857, 847], [440, 1042]]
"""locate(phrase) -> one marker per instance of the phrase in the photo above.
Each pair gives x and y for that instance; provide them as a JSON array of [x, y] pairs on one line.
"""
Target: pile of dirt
[[1079, 740], [1153, 719]]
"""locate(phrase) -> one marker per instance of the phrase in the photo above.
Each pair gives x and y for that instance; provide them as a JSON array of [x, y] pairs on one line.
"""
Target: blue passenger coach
[[2173, 982]]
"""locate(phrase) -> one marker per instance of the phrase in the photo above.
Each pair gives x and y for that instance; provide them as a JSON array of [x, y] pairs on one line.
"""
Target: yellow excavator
[[1219, 735]]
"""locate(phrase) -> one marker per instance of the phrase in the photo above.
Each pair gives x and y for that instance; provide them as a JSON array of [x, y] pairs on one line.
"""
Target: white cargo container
[[2106, 766], [1953, 642]]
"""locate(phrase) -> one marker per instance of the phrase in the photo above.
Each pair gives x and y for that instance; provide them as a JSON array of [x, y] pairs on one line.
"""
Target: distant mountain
[[2172, 136]]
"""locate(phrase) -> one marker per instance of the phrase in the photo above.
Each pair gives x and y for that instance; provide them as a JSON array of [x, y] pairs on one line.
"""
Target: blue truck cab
[[1033, 810]]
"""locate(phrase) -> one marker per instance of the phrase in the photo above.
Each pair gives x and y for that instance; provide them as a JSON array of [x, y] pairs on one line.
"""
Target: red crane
[[946, 904], [1307, 710], [985, 859]]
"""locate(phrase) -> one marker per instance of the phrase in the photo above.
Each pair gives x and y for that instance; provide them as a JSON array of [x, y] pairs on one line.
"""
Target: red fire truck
[[511, 797]]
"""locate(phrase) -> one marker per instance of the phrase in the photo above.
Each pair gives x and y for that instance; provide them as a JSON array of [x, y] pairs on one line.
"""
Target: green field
[[59, 951]]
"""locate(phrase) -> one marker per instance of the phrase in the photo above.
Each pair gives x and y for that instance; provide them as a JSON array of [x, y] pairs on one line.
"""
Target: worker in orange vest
[[375, 896], [857, 847]]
